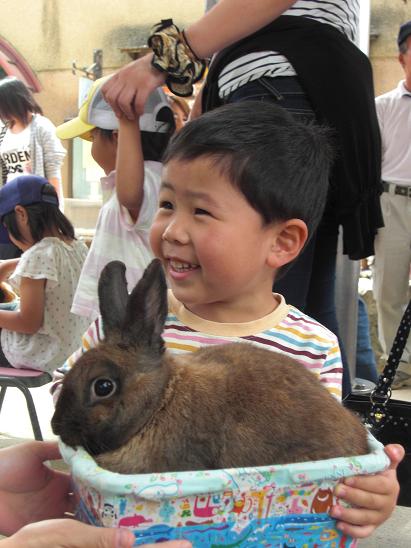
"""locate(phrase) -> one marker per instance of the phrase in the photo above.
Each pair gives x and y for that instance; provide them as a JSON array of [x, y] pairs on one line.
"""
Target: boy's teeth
[[176, 265]]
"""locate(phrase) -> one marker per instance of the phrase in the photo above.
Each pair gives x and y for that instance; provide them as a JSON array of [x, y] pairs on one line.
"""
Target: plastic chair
[[23, 379]]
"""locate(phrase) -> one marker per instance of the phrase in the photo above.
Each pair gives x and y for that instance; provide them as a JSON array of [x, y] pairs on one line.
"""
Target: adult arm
[[380, 107], [224, 24], [130, 167], [229, 21]]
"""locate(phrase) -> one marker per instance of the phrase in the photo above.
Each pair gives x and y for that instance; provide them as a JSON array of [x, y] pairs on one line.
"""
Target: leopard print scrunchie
[[173, 55]]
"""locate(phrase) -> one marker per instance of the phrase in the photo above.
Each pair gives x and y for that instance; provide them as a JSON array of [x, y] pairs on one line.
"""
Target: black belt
[[398, 189]]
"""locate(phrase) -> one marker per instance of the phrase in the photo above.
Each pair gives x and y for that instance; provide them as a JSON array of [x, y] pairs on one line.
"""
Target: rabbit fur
[[138, 409]]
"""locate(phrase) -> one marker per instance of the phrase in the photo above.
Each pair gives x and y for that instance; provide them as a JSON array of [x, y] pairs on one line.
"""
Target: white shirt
[[119, 238], [394, 117], [15, 153], [59, 263]]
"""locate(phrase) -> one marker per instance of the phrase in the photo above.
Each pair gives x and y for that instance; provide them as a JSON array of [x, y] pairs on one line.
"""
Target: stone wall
[[386, 18]]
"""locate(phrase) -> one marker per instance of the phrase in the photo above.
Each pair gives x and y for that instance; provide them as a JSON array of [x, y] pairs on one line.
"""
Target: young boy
[[130, 190], [242, 188]]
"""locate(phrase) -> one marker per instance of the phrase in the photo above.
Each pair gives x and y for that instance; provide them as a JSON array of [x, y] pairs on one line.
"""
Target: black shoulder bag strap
[[382, 392]]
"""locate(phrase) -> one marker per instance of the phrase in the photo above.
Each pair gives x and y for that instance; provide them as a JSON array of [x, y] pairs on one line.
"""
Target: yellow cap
[[94, 112]]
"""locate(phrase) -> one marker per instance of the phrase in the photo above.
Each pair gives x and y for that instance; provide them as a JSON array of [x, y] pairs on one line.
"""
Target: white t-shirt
[[15, 153], [59, 264], [119, 238], [394, 117]]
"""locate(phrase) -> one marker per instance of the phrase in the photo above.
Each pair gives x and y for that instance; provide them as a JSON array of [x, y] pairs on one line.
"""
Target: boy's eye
[[199, 211], [165, 205]]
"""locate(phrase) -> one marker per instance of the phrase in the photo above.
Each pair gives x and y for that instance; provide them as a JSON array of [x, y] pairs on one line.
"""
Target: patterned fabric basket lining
[[276, 506]]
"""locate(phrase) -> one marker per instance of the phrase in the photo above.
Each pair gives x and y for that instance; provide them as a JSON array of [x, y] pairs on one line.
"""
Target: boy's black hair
[[16, 100], [42, 218], [280, 165], [153, 143]]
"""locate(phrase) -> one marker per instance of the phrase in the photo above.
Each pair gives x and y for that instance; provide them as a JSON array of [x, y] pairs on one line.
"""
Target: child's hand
[[373, 498]]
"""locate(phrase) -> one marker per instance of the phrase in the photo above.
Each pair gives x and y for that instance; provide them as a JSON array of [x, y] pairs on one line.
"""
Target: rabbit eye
[[103, 387]]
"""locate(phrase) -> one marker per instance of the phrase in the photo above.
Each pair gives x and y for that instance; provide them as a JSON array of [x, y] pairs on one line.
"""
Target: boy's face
[[212, 243]]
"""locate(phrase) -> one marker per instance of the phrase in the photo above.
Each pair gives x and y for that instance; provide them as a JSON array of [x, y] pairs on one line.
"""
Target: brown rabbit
[[137, 408]]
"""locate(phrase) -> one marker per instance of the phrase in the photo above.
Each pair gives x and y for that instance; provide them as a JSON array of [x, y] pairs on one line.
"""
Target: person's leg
[[366, 364], [392, 268], [321, 291], [346, 304]]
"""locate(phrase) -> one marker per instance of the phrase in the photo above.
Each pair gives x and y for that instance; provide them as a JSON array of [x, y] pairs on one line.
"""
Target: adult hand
[[128, 89], [29, 490], [68, 533]]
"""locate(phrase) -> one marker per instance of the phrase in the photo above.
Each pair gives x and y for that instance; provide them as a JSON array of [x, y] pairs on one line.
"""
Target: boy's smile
[[213, 244], [179, 270]]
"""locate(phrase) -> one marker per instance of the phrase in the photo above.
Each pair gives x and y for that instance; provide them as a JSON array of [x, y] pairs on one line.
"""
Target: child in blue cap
[[42, 331]]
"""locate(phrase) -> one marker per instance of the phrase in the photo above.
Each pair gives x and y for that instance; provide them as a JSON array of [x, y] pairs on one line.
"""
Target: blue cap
[[24, 190], [404, 32]]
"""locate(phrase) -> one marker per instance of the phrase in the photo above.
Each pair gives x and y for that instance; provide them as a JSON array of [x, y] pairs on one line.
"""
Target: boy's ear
[[289, 238]]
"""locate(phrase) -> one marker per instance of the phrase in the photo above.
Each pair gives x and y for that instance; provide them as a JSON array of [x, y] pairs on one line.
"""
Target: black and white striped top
[[342, 14]]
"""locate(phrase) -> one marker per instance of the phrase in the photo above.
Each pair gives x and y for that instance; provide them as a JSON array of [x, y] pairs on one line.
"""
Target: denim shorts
[[286, 91]]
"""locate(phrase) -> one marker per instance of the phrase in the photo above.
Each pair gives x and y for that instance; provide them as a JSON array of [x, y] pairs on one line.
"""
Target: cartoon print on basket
[[275, 506], [171, 483]]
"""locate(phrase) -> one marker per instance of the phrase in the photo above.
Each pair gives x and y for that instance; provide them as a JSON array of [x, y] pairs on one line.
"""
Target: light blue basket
[[12, 299], [12, 305], [273, 506]]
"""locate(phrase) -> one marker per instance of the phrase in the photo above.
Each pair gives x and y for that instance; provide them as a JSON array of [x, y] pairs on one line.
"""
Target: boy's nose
[[175, 232]]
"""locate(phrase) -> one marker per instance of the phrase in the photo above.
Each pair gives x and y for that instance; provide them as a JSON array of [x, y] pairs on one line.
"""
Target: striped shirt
[[285, 330], [341, 14]]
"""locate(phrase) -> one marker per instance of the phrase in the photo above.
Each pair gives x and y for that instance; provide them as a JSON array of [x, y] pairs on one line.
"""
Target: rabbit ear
[[113, 296], [146, 310]]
